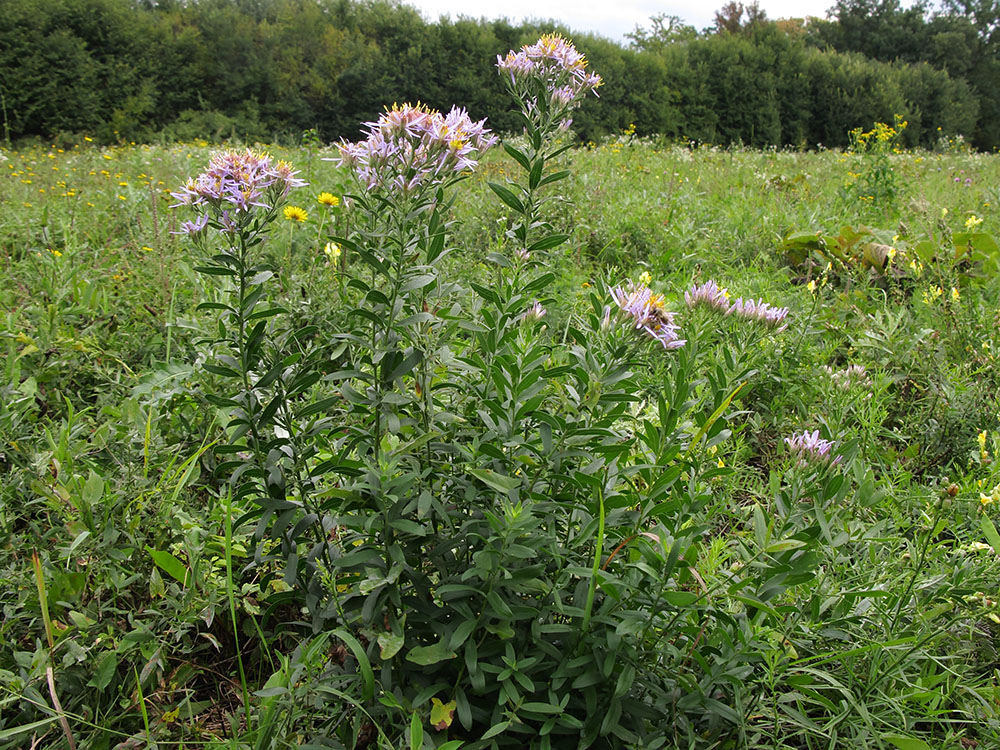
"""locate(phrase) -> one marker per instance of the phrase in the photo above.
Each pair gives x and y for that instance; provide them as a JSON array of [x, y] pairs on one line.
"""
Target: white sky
[[610, 18]]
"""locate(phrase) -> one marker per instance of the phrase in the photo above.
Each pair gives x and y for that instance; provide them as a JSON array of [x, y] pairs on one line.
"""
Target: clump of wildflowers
[[761, 312], [647, 310], [848, 377], [549, 76], [708, 294], [411, 147], [239, 181], [809, 448]]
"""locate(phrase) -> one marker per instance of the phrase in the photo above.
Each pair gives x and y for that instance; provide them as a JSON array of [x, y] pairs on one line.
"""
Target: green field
[[847, 606]]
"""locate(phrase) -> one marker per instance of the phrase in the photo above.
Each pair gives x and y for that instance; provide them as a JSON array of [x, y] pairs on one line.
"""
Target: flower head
[[332, 251], [648, 313], [535, 312], [760, 311], [194, 227], [708, 294], [411, 147], [551, 72], [295, 213], [239, 180], [328, 199], [808, 448]]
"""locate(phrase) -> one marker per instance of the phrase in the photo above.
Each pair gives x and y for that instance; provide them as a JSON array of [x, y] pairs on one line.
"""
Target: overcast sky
[[610, 18]]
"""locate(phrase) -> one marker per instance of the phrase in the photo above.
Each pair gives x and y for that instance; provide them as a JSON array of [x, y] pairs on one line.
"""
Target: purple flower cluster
[[760, 311], [809, 448], [648, 313], [411, 147], [554, 65], [237, 181], [708, 294]]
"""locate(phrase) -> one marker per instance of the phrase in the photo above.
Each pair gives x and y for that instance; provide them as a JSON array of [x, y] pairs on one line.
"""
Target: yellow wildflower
[[955, 294], [972, 222], [328, 199], [296, 214], [332, 251], [645, 278]]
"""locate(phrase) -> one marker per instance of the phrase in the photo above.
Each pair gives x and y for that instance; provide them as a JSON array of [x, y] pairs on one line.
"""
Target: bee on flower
[[648, 314]]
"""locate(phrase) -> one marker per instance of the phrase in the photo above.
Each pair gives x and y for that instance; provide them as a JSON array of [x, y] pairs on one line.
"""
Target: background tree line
[[134, 70]]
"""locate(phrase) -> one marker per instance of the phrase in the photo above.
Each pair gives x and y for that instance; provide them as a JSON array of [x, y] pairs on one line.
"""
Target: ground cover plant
[[635, 444]]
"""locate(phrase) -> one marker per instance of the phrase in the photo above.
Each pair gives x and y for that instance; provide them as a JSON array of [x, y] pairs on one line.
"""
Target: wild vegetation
[[467, 442]]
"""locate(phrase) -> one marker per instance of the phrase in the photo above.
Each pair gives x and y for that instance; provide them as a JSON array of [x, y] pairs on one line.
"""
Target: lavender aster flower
[[760, 311], [808, 448], [551, 70], [240, 181], [411, 147], [193, 227], [647, 311], [708, 294]]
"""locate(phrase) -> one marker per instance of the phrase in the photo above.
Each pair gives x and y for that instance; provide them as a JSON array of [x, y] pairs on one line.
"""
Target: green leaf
[[784, 545], [426, 655], [535, 175], [169, 565], [906, 743], [517, 156], [499, 482], [364, 666], [390, 644], [496, 729], [416, 732], [507, 197], [547, 243], [680, 598], [991, 533]]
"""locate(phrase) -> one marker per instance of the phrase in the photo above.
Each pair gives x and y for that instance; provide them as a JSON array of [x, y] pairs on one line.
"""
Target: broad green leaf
[[426, 655], [416, 732], [390, 644], [507, 197], [906, 743], [169, 565], [991, 533], [499, 482]]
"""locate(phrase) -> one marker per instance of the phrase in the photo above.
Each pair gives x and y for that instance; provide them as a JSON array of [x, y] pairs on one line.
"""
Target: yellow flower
[[811, 286], [972, 222], [645, 278], [932, 294], [296, 214], [985, 499], [981, 439], [328, 199], [955, 295], [332, 251]]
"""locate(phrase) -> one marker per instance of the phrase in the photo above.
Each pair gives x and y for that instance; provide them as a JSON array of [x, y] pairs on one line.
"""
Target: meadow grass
[[143, 622]]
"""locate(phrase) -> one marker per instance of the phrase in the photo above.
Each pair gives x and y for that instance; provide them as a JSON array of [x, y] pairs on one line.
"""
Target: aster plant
[[494, 523]]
